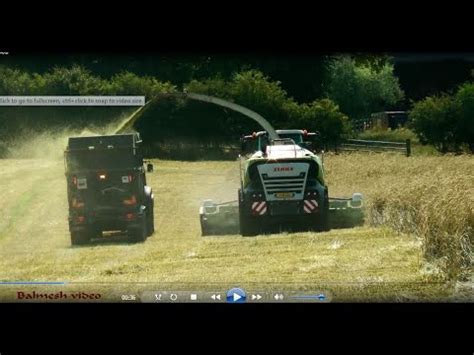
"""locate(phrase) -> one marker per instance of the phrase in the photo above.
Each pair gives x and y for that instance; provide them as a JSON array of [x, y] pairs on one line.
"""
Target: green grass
[[364, 263]]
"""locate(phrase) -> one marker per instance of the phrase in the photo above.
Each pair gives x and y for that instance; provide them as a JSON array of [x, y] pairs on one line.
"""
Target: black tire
[[80, 238], [138, 235], [204, 228], [247, 226], [150, 221], [322, 224]]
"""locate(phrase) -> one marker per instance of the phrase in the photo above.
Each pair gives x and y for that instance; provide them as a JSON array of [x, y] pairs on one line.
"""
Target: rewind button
[[216, 297]]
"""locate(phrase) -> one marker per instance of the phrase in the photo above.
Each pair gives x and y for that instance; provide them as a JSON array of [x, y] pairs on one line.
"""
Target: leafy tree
[[14, 82], [434, 120], [258, 92], [75, 80], [362, 87], [216, 86], [324, 117], [251, 89], [465, 126], [127, 83], [446, 121]]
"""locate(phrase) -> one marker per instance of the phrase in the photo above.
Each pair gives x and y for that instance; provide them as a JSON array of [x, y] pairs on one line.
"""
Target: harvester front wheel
[[247, 227], [323, 223]]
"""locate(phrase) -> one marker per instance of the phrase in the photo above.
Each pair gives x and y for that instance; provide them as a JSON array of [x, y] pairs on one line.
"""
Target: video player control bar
[[235, 295]]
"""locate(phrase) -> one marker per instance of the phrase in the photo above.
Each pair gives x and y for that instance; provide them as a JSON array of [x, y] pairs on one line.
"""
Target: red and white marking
[[259, 208], [310, 206]]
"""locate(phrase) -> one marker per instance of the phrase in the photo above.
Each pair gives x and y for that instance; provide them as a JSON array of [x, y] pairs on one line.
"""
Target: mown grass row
[[430, 197], [440, 211]]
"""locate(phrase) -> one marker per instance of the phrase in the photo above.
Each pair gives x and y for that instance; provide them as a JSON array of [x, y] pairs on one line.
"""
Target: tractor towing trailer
[[107, 188]]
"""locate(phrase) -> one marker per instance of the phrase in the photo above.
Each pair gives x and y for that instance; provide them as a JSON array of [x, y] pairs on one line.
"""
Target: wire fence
[[359, 145]]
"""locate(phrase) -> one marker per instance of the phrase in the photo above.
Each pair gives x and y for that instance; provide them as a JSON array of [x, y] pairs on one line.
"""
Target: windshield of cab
[[296, 137]]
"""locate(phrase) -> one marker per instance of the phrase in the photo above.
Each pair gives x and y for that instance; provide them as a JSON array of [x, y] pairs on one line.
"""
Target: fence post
[[408, 142]]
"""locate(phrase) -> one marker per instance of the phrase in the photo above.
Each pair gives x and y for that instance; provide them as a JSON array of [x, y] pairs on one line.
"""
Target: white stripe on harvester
[[259, 207]]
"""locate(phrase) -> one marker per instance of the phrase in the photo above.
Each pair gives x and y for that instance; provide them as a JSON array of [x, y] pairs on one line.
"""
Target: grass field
[[369, 263]]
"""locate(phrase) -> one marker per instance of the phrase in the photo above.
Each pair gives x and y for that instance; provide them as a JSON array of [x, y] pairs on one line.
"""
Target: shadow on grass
[[110, 238], [337, 220]]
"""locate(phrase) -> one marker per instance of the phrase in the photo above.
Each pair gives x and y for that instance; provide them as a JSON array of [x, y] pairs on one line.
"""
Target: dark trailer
[[107, 188]]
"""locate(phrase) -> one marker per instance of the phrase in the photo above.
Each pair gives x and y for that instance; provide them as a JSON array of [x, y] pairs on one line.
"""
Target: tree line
[[352, 88]]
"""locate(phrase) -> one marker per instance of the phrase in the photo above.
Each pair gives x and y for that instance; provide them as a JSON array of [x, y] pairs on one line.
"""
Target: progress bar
[[32, 283]]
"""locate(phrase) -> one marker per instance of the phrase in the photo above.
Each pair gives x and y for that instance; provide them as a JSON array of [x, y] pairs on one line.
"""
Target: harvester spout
[[204, 98], [243, 110]]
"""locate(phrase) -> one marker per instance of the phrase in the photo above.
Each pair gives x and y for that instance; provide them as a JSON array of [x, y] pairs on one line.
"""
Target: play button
[[236, 295]]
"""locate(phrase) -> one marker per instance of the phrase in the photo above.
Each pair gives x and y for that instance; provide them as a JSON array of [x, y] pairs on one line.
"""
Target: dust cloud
[[50, 145]]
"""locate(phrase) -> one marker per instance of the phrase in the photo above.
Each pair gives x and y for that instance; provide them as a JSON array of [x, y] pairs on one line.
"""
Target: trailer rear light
[[76, 203], [257, 196], [130, 216], [74, 180], [312, 193], [130, 201]]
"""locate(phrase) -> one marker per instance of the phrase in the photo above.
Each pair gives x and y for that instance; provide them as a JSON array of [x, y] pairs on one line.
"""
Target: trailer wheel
[[150, 221], [80, 238], [138, 235]]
